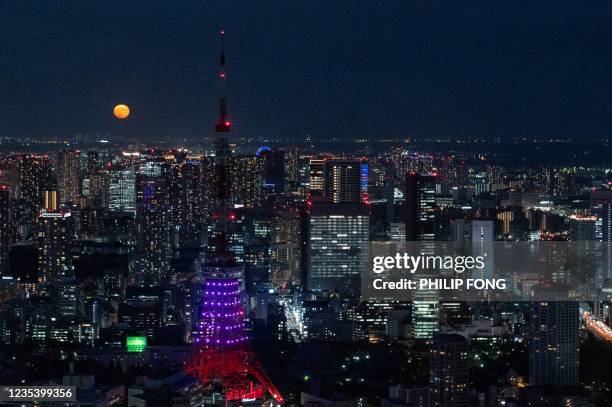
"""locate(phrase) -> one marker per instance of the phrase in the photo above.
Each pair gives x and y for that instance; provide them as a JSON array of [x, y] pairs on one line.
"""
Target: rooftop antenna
[[222, 169], [223, 123]]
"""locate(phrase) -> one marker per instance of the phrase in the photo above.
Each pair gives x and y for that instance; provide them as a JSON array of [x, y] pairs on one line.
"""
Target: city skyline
[[175, 257], [104, 248]]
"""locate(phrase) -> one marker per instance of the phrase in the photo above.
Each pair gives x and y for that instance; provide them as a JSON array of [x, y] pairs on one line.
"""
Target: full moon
[[121, 111]]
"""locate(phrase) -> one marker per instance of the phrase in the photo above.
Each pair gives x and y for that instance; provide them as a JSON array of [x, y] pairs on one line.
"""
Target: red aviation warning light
[[223, 126]]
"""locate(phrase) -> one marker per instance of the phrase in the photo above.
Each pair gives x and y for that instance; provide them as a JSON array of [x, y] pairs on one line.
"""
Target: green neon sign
[[136, 343]]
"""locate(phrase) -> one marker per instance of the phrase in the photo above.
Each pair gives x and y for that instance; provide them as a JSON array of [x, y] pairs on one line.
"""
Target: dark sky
[[327, 68]]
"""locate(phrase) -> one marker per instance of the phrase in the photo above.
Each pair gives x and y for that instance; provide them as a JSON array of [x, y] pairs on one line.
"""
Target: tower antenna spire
[[223, 126], [223, 123]]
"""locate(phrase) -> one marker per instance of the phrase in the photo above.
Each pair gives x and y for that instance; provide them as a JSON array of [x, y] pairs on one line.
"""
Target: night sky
[[326, 68]]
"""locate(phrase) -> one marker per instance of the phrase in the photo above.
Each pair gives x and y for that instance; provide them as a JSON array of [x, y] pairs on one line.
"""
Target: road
[[597, 327]]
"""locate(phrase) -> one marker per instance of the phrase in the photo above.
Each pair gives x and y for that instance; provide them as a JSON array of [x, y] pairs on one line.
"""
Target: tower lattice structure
[[222, 357]]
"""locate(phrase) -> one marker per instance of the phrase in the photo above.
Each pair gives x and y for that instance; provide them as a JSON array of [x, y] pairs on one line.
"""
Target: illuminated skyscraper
[[316, 177], [420, 206], [54, 239], [420, 226], [191, 199], [605, 212], [95, 188], [94, 162], [482, 245], [68, 175], [154, 230], [6, 227], [285, 248], [292, 166], [337, 246], [585, 227], [397, 231], [457, 230], [247, 180], [121, 193], [345, 180], [482, 230], [554, 348], [35, 177], [68, 297], [606, 221]]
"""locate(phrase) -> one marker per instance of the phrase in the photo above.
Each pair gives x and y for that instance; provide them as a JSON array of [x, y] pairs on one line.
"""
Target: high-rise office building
[[479, 183], [583, 227], [68, 298], [274, 168], [191, 199], [151, 165], [420, 206], [482, 230], [605, 211], [292, 166], [285, 248], [247, 175], [35, 177], [343, 180], [95, 188], [425, 313], [144, 310], [420, 226], [6, 227], [448, 371], [54, 240], [606, 221], [154, 230], [337, 246], [121, 190], [151, 192], [482, 245], [93, 163], [397, 231], [457, 230], [316, 177], [69, 175], [554, 347]]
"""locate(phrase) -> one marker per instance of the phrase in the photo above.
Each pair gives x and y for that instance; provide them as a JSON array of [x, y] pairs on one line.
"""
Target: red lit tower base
[[221, 357]]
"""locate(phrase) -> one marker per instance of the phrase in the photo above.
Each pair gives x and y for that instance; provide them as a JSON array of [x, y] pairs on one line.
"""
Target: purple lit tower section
[[221, 323], [222, 356]]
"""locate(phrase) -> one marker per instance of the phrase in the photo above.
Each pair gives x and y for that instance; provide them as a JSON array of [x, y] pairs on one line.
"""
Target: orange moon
[[121, 111]]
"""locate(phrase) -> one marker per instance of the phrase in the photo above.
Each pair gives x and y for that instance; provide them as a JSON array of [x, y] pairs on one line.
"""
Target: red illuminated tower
[[221, 357]]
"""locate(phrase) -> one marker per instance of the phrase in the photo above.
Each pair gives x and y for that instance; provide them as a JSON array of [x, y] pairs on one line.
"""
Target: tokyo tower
[[221, 356]]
